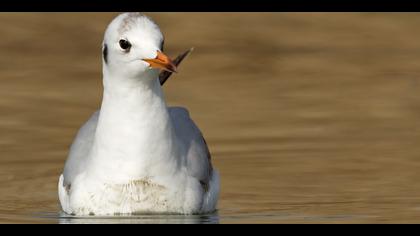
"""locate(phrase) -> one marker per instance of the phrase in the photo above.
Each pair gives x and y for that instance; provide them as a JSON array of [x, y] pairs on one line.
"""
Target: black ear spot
[[105, 53]]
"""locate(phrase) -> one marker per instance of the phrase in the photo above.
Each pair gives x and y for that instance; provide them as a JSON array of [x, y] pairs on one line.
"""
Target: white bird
[[135, 154]]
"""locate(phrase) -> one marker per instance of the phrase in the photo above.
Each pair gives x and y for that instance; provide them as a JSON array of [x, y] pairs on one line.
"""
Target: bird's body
[[136, 155]]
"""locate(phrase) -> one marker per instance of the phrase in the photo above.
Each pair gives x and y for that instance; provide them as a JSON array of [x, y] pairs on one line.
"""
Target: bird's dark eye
[[125, 45]]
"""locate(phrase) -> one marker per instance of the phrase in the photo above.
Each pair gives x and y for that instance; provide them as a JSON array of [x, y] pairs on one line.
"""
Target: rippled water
[[310, 118]]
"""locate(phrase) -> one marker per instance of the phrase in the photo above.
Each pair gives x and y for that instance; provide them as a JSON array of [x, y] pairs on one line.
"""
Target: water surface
[[310, 118]]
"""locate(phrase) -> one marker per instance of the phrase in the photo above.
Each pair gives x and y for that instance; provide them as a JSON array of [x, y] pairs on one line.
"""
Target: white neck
[[134, 135]]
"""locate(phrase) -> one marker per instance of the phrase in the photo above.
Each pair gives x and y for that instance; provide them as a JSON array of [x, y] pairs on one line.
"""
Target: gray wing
[[198, 155], [80, 149]]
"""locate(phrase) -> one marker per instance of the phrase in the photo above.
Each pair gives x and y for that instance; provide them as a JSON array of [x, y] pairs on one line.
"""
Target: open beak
[[161, 62]]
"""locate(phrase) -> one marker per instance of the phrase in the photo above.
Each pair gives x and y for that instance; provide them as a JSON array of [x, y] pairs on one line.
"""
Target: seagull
[[136, 155]]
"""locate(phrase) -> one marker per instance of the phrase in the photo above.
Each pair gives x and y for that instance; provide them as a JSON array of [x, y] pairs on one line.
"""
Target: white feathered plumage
[[135, 154]]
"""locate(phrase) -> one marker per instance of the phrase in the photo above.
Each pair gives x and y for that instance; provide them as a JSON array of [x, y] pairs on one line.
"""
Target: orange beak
[[161, 62]]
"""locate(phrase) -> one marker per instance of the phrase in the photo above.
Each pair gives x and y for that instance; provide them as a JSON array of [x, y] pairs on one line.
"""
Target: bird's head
[[132, 48]]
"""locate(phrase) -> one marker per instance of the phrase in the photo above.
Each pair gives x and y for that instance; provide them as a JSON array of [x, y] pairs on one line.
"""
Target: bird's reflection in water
[[212, 218]]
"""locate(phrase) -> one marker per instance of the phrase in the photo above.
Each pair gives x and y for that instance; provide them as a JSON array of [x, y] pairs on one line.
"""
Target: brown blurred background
[[309, 117]]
